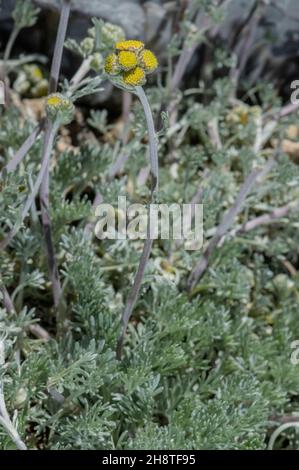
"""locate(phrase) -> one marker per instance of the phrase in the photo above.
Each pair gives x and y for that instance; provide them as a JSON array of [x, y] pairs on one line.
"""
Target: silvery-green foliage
[[25, 14], [210, 370]]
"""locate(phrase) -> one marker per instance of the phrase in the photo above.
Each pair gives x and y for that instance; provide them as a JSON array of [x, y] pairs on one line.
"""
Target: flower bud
[[96, 62], [87, 46], [59, 107], [112, 33]]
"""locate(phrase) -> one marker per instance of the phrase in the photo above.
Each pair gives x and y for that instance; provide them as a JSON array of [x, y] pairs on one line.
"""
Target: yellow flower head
[[148, 60], [59, 106], [55, 100], [111, 64], [129, 45], [127, 60], [131, 62], [135, 77]]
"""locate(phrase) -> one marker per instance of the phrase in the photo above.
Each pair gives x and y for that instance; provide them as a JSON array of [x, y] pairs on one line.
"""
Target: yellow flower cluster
[[131, 62]]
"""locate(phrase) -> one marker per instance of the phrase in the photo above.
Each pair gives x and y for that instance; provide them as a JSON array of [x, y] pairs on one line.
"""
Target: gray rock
[[155, 14], [128, 14], [280, 19]]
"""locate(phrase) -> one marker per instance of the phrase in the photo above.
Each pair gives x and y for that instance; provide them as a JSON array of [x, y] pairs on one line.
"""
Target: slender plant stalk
[[44, 189], [279, 430], [12, 63], [47, 149], [46, 222], [39, 332], [244, 46], [266, 219], [58, 50], [5, 420], [153, 147], [133, 295], [81, 73], [23, 150], [213, 131], [3, 68], [7, 301], [289, 418], [118, 165], [227, 221], [132, 298], [126, 109], [289, 109], [10, 44]]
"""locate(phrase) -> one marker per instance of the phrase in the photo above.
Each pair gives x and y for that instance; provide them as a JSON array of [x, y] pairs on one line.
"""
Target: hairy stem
[[81, 73], [44, 189], [46, 223], [152, 139], [58, 50], [133, 295], [273, 216], [266, 219], [23, 150], [48, 145], [12, 63]]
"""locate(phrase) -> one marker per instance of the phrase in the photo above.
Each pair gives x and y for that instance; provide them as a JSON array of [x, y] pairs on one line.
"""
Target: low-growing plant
[[120, 344]]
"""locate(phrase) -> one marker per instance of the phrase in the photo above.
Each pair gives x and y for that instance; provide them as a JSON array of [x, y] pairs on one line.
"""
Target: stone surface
[[148, 20], [155, 15], [281, 20], [128, 14]]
